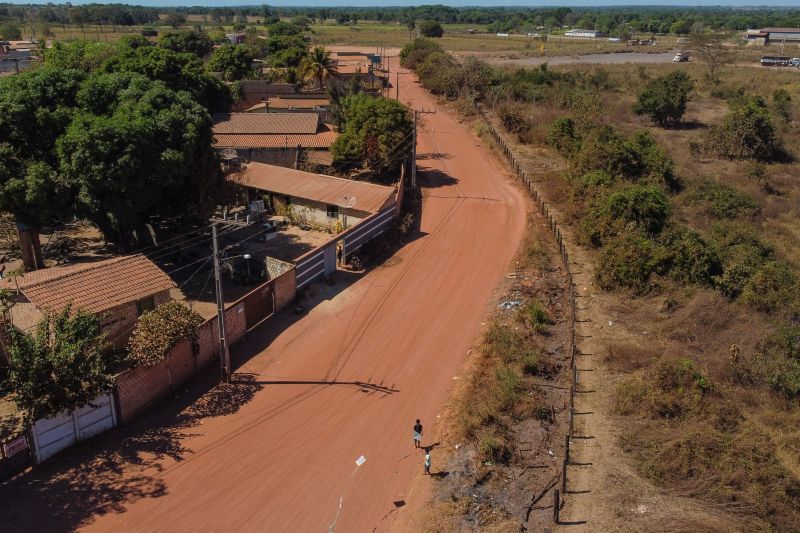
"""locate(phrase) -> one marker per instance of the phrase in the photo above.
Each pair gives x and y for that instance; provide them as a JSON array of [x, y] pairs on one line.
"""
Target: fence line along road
[[558, 493]]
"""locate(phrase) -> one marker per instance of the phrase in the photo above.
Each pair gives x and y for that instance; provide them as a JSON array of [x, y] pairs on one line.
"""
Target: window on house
[[145, 304], [333, 211]]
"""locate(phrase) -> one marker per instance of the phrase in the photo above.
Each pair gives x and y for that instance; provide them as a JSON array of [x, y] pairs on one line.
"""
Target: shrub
[[590, 182], [724, 201], [503, 342], [782, 105], [746, 132], [509, 383], [563, 137], [431, 28], [636, 207], [637, 158], [771, 287], [512, 119], [627, 262], [664, 98], [160, 330], [535, 316], [478, 75], [415, 52], [742, 262], [440, 74], [494, 449], [688, 258]]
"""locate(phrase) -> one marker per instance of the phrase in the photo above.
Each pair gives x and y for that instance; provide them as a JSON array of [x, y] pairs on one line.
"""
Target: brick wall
[[119, 322], [285, 289], [138, 388]]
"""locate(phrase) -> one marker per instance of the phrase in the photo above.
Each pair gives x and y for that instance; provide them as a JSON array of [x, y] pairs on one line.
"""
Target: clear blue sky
[[455, 3]]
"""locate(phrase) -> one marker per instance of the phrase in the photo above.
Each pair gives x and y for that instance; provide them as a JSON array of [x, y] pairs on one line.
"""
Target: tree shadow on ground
[[432, 178], [119, 467]]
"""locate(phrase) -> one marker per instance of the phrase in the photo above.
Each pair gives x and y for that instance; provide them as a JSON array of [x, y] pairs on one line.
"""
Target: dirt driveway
[[347, 379]]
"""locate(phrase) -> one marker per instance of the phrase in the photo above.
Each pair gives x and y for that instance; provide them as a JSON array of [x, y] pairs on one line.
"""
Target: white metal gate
[[52, 435]]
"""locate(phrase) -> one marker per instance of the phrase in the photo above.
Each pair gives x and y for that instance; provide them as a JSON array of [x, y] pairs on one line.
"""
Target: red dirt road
[[387, 347]]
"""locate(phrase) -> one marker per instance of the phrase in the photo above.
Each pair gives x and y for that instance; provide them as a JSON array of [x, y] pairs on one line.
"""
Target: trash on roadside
[[510, 304]]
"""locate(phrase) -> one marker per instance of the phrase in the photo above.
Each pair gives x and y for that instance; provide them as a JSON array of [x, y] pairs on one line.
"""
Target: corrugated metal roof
[[358, 195], [95, 287], [319, 140], [261, 123], [780, 30]]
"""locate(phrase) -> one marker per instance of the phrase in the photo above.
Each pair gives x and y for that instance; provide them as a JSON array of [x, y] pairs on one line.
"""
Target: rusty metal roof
[[266, 123], [357, 195], [95, 287]]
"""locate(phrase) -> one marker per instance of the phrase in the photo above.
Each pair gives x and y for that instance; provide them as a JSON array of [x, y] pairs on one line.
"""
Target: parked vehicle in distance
[[795, 62], [775, 61], [680, 57]]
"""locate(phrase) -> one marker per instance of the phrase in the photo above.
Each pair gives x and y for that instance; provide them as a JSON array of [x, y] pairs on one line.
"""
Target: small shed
[[119, 290]]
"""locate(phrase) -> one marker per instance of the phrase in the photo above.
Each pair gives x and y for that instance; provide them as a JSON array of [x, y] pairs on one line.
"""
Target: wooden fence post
[[556, 506]]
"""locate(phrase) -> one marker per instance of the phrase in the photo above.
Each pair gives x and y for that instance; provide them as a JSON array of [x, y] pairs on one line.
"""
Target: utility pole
[[397, 86], [414, 147], [224, 354]]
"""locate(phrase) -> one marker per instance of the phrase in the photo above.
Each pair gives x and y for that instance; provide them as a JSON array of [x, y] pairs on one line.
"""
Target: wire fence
[[556, 230]]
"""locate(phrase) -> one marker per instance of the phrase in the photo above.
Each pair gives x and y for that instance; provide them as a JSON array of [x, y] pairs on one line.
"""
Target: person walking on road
[[428, 461], [417, 434]]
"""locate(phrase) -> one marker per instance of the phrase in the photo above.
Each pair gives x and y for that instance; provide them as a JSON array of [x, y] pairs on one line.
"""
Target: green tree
[[80, 55], [36, 107], [65, 364], [746, 132], [194, 41], [179, 71], [234, 61], [149, 153], [377, 132], [431, 28], [664, 99], [318, 65]]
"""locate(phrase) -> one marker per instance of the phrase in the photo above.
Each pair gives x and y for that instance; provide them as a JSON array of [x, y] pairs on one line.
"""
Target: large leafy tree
[[147, 152], [194, 41], [318, 65], [36, 107], [179, 71], [64, 364], [234, 61], [377, 132]]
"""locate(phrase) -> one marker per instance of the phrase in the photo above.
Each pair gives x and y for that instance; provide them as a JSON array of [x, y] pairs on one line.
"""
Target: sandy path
[[285, 459]]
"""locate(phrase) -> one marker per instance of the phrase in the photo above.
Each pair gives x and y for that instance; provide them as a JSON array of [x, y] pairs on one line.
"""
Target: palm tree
[[318, 65]]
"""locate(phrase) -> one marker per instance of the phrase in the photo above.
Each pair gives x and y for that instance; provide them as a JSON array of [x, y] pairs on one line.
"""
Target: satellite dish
[[229, 153]]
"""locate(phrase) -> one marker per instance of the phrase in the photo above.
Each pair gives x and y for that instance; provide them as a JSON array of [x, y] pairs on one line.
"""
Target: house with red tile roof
[[272, 138], [118, 290]]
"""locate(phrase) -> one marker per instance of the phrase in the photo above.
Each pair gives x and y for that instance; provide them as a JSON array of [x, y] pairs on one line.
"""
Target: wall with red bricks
[[285, 289], [139, 387]]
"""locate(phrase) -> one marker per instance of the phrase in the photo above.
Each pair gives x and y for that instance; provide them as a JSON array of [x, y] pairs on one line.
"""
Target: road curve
[[348, 379]]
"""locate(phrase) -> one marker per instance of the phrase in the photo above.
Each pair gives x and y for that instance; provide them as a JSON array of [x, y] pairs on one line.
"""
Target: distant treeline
[[119, 14], [606, 19]]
